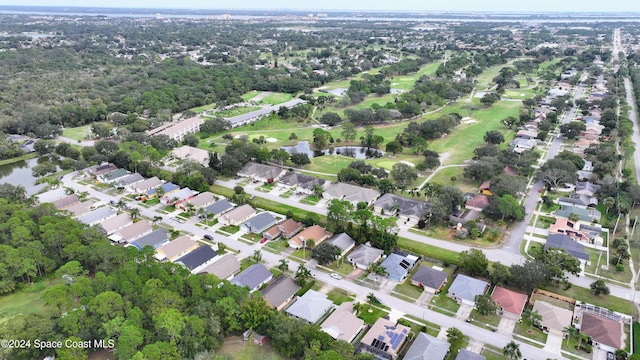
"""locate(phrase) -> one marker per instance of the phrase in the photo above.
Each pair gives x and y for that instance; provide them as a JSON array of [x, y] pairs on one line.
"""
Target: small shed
[[259, 339]]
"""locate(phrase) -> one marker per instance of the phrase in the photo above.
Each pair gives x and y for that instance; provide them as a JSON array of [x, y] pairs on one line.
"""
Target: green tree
[[393, 147], [403, 174], [599, 287], [349, 132], [302, 275], [499, 274], [283, 265], [325, 253], [533, 318], [485, 305], [494, 137], [257, 256], [512, 351], [474, 262]]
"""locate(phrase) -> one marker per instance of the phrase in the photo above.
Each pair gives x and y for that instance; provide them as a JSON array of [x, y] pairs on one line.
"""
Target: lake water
[[358, 152], [18, 173]]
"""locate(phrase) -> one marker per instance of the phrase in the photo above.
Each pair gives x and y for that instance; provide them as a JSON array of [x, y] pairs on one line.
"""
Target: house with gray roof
[[178, 197], [98, 215], [131, 232], [116, 223], [51, 195], [154, 239], [81, 208], [393, 205], [570, 246], [587, 188], [168, 188], [343, 241], [352, 193], [588, 214], [145, 185], [238, 215], [101, 169], [261, 172], [129, 180], [427, 347], [253, 277], [301, 183], [431, 280], [364, 255], [464, 289], [112, 176], [259, 223], [280, 292], [465, 354], [579, 200], [223, 267], [342, 324], [310, 307], [198, 258], [398, 266], [219, 207], [66, 202]]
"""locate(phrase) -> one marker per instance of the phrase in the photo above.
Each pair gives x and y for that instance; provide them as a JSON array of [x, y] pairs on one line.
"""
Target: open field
[[24, 301], [276, 98], [250, 95], [241, 110], [77, 133], [19, 158], [239, 349]]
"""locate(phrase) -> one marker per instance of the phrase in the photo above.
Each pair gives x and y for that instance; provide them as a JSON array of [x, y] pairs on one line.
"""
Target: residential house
[[582, 144], [398, 265], [485, 188], [554, 319], [286, 229], [199, 201], [509, 302], [177, 131], [342, 324], [238, 215], [66, 202], [363, 256], [178, 197], [96, 216], [310, 307], [392, 205], [579, 200], [464, 216], [343, 241], [112, 176], [586, 188], [176, 248], [427, 347], [81, 208], [197, 259], [223, 267], [316, 233], [154, 239], [527, 134], [253, 277], [589, 214], [301, 183], [353, 194], [51, 195], [520, 145], [259, 223], [261, 172], [131, 232], [588, 166], [187, 152], [384, 340], [219, 207], [167, 189], [577, 231], [128, 180], [605, 333], [570, 246], [101, 169], [280, 292], [145, 185], [464, 289], [430, 279], [465, 354], [116, 223], [478, 202]]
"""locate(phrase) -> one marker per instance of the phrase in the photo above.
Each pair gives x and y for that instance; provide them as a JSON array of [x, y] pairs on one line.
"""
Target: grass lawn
[[545, 221], [19, 158], [443, 302], [610, 302], [276, 98], [152, 202], [310, 200], [408, 290], [373, 316], [238, 349], [434, 252], [339, 296], [252, 237], [240, 110], [231, 229], [278, 245], [24, 301], [341, 267], [489, 322], [523, 328], [77, 133], [250, 95], [302, 254], [203, 108]]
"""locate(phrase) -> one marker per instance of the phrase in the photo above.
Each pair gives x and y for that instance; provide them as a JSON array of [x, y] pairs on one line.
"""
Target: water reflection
[[358, 152]]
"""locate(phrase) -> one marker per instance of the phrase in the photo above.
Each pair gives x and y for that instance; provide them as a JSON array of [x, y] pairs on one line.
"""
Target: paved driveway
[[464, 311], [554, 343], [506, 326]]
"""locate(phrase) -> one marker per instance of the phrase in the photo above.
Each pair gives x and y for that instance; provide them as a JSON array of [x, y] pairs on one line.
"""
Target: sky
[[360, 5]]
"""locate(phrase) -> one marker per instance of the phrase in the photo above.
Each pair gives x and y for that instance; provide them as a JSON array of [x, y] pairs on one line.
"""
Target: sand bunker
[[468, 120], [271, 140], [408, 163]]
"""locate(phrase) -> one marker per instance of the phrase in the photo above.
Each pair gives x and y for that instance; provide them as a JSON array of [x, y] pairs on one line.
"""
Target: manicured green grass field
[[250, 95], [24, 301], [241, 110], [276, 98], [77, 133]]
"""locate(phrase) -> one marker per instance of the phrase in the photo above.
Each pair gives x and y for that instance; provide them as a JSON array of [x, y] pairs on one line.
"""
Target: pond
[[358, 152], [18, 173]]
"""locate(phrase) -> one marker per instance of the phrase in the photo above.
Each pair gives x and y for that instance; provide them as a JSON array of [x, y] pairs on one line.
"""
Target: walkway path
[[436, 171]]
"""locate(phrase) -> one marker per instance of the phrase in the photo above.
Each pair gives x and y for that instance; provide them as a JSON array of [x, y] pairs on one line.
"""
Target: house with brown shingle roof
[[238, 215], [604, 333], [511, 303], [66, 202], [131, 232], [554, 319], [116, 223], [316, 233], [201, 200], [478, 202], [342, 324], [224, 267], [286, 229], [176, 248]]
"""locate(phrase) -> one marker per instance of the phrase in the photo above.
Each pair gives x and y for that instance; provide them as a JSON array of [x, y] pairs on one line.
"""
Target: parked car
[[208, 237], [263, 240], [336, 276]]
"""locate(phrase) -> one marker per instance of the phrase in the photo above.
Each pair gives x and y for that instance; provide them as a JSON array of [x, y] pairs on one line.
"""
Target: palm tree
[[302, 274], [221, 247], [608, 203], [257, 256], [19, 192], [190, 208], [512, 351], [156, 219], [160, 191], [571, 331], [69, 190], [135, 213], [83, 195], [121, 204], [284, 265], [357, 307], [202, 213], [533, 317], [318, 191], [371, 298]]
